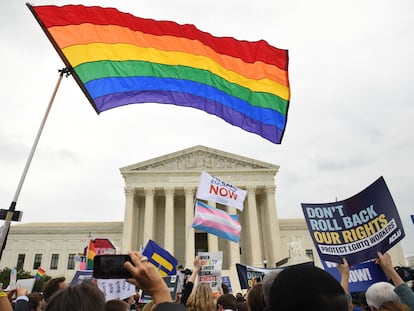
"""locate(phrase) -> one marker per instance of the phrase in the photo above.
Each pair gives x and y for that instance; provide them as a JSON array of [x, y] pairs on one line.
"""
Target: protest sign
[[247, 274], [160, 258], [355, 228], [361, 276], [116, 288], [80, 276], [26, 283], [211, 263], [226, 280], [213, 189]]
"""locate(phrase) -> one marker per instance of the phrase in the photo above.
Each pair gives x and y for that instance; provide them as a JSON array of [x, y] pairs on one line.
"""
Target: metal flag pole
[[11, 213]]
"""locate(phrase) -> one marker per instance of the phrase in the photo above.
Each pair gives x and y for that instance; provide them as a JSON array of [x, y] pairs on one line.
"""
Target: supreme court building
[[159, 205]]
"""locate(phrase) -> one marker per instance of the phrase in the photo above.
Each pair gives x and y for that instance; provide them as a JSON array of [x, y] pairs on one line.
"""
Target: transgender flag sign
[[215, 221]]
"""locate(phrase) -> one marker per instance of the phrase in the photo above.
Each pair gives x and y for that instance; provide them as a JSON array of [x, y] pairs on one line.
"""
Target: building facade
[[159, 205]]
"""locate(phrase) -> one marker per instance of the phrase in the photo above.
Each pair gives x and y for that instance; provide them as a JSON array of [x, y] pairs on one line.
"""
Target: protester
[[241, 302], [255, 299], [393, 306], [189, 285], [150, 306], [305, 287], [379, 293], [145, 277], [201, 299], [82, 297], [52, 286], [226, 302], [23, 301], [267, 282], [116, 305], [403, 291], [5, 304]]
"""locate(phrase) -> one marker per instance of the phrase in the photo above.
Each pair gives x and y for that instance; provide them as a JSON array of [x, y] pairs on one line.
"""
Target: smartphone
[[110, 267]]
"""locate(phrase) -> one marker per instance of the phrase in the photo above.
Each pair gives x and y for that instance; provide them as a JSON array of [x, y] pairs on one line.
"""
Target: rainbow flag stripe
[[119, 59]]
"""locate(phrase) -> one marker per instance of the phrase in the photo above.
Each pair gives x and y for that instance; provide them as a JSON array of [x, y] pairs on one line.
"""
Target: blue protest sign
[[355, 228], [361, 276]]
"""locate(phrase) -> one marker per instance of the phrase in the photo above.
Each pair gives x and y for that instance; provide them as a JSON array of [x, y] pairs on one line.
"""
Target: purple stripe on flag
[[270, 132]]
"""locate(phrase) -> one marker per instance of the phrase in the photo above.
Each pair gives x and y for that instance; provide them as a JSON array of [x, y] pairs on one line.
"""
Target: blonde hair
[[201, 299], [149, 306]]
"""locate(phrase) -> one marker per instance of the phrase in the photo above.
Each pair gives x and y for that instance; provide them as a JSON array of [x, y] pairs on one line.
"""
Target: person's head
[[379, 293], [305, 287], [267, 283], [35, 301], [82, 297], [201, 299], [227, 301], [116, 305], [150, 306], [254, 298], [239, 297], [52, 286], [393, 306]]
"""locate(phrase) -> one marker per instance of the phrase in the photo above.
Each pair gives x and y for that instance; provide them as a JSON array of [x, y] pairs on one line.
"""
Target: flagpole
[[6, 226]]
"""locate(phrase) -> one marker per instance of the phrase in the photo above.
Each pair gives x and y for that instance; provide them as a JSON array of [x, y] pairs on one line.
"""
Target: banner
[[211, 264], [247, 273], [361, 276], [160, 258], [355, 228], [213, 189]]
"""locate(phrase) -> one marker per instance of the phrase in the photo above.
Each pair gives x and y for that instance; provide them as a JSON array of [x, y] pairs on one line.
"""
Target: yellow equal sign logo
[[162, 263]]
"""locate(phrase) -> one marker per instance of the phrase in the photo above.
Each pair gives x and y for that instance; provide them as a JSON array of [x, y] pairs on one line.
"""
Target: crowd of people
[[300, 287]]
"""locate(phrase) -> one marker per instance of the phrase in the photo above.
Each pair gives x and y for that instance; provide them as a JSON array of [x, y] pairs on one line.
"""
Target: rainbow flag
[[40, 272], [215, 221], [119, 59], [90, 255]]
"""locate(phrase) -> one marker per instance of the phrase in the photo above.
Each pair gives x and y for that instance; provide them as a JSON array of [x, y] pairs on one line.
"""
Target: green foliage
[[22, 274]]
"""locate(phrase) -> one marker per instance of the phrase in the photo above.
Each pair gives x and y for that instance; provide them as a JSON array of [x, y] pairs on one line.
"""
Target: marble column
[[189, 231], [272, 228], [169, 220], [233, 247], [148, 215], [253, 223], [127, 237], [212, 239]]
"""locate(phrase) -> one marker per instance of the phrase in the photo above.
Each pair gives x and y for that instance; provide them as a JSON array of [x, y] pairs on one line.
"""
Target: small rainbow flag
[[90, 255], [119, 59], [40, 272]]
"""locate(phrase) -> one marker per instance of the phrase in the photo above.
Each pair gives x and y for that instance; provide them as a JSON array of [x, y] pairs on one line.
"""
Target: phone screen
[[110, 267]]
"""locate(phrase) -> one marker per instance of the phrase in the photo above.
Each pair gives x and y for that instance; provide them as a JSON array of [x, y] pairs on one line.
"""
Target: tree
[[22, 274]]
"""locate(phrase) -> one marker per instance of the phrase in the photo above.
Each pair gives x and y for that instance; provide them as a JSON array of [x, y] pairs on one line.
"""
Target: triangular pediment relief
[[198, 158]]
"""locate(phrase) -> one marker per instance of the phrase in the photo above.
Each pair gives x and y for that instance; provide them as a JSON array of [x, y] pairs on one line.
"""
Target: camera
[[110, 267]]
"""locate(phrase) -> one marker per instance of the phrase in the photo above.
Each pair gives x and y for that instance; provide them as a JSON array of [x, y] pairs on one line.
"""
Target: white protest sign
[[26, 283], [213, 189], [116, 288], [211, 263]]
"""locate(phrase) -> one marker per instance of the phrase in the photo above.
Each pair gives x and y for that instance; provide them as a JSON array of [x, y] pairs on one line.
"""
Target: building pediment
[[199, 158]]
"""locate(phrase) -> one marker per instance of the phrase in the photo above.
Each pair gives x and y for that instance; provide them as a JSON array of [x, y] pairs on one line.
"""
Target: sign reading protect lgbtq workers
[[355, 228]]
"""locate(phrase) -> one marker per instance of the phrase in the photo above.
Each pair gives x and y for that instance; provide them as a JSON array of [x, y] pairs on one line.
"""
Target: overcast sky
[[350, 118]]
